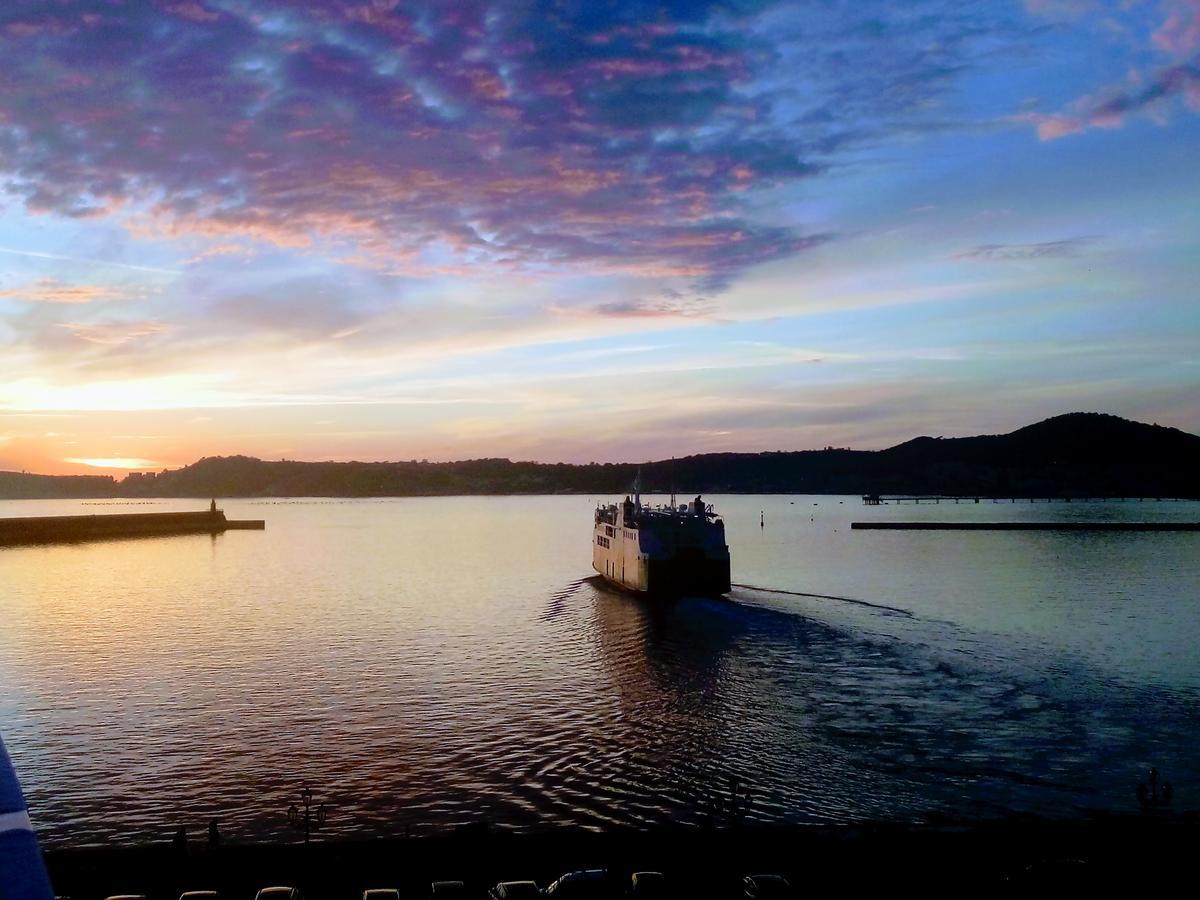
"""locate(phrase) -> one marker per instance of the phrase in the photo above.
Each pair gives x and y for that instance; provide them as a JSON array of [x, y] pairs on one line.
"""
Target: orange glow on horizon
[[115, 462]]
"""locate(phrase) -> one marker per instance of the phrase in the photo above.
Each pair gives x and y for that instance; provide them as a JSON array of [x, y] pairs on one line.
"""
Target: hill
[[1079, 454], [23, 486], [1070, 455]]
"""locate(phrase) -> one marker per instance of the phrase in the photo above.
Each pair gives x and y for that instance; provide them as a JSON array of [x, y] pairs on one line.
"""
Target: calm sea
[[428, 662]]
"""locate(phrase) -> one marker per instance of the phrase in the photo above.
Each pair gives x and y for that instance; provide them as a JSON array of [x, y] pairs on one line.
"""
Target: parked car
[[648, 884], [766, 887], [199, 895], [279, 893], [448, 889], [381, 894], [126, 897], [514, 890], [587, 883]]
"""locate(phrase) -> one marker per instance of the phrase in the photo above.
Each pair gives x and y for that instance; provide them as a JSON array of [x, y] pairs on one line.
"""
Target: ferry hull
[[677, 578], [700, 577]]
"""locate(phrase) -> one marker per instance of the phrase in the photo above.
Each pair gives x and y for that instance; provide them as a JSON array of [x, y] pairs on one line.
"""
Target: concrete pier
[[66, 529], [1026, 526], [919, 499]]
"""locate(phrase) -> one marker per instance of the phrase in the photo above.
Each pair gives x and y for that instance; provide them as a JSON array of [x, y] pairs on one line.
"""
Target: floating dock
[[66, 529], [1026, 526]]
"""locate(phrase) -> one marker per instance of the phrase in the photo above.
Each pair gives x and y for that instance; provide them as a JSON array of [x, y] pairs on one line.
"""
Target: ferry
[[668, 549]]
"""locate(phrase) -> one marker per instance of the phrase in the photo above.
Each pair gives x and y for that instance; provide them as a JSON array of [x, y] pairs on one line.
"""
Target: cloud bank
[[620, 138]]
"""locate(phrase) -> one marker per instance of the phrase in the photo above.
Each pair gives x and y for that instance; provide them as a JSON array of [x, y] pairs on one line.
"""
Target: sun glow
[[114, 396], [114, 462]]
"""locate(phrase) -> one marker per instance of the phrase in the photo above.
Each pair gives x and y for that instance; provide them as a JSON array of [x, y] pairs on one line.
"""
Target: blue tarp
[[22, 872]]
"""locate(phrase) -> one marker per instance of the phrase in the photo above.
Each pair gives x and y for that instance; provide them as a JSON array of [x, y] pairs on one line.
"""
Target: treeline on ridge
[[1079, 454]]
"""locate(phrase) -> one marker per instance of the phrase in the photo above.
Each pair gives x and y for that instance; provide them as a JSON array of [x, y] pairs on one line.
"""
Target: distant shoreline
[[1079, 455]]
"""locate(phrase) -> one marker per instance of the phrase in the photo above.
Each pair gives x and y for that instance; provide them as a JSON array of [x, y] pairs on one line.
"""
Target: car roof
[[519, 887], [585, 875], [768, 885]]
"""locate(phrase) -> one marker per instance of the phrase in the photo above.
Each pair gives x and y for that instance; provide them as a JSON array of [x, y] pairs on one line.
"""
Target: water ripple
[[428, 664]]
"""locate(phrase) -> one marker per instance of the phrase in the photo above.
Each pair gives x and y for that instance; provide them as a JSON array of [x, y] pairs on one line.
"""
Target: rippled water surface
[[428, 662]]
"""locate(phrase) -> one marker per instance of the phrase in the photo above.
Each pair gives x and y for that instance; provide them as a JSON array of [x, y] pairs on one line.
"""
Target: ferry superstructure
[[661, 550]]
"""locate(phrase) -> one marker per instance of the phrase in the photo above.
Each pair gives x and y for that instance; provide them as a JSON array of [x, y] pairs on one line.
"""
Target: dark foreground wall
[[1133, 855]]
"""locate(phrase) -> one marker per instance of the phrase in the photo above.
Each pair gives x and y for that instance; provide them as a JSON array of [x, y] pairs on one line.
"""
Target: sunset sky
[[586, 230]]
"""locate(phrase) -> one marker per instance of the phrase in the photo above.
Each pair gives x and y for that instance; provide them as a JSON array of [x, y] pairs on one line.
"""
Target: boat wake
[[558, 600], [889, 610]]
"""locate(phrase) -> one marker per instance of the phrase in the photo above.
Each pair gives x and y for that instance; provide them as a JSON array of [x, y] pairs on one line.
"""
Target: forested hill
[[1072, 455], [23, 486]]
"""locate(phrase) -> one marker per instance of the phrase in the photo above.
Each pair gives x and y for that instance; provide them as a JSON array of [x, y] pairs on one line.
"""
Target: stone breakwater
[[59, 529]]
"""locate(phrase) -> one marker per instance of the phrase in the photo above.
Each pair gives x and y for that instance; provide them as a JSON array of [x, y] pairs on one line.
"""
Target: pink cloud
[[1051, 128], [523, 148], [112, 333], [1111, 109], [1180, 33], [50, 290]]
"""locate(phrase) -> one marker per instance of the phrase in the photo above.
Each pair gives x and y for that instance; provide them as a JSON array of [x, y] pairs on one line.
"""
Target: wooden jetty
[[64, 529], [1026, 526]]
